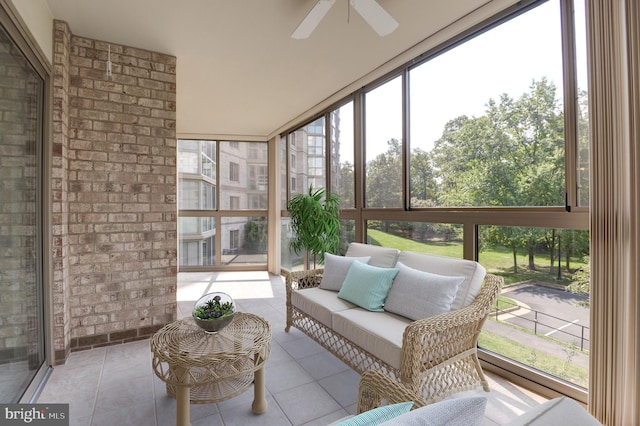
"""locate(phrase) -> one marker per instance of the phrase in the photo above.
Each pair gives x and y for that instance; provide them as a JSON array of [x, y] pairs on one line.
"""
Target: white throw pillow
[[450, 412], [416, 294], [559, 411], [335, 270]]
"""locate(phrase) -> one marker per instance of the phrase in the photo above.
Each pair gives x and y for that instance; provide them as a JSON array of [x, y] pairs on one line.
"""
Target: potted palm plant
[[315, 222]]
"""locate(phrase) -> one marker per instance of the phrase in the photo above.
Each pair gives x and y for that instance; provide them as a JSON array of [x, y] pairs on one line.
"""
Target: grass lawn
[[562, 368], [379, 238], [498, 260]]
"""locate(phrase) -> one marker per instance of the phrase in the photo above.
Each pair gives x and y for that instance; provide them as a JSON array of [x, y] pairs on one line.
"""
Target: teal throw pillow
[[378, 415], [367, 286]]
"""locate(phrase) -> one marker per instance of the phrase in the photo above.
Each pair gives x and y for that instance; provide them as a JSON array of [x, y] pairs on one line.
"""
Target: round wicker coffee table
[[200, 367]]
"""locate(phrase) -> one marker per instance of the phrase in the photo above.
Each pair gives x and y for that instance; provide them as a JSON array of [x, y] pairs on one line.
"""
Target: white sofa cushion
[[319, 304], [417, 294], [335, 270], [472, 271], [559, 411], [383, 257], [379, 333]]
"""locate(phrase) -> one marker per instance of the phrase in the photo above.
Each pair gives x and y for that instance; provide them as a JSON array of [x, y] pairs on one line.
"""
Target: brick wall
[[115, 152]]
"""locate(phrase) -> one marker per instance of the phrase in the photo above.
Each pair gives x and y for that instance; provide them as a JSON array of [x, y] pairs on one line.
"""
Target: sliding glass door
[[22, 349]]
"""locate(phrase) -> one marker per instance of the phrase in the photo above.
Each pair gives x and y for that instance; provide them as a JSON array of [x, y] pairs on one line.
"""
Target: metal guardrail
[[539, 321]]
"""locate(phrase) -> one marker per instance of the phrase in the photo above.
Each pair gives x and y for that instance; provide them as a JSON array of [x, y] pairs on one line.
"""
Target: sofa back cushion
[[472, 272], [335, 270], [418, 294], [383, 257]]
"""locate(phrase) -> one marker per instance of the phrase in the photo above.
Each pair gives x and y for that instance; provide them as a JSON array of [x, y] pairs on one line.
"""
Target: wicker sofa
[[434, 357]]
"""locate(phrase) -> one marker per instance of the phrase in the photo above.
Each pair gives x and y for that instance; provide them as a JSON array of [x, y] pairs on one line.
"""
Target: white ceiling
[[239, 73]]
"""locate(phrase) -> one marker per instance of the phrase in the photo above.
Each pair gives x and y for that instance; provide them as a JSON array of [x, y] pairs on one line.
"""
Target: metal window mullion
[[406, 149], [569, 68]]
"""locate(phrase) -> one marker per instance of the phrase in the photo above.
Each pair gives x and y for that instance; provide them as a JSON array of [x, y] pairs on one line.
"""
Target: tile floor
[[306, 385]]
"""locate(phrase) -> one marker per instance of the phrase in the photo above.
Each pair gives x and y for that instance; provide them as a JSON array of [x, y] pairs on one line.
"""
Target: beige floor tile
[[305, 384]]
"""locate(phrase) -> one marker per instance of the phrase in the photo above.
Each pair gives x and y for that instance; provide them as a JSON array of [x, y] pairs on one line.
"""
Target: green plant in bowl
[[214, 311]]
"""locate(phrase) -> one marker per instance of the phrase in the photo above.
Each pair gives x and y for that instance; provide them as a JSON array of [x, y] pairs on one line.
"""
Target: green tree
[[574, 243], [255, 235], [384, 177], [424, 187], [346, 185], [580, 284], [513, 155], [511, 237]]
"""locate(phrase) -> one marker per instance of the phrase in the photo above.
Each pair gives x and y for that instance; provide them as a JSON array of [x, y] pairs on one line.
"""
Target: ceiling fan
[[370, 10]]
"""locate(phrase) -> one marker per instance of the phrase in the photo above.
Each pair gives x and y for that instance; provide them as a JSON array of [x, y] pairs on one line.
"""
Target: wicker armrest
[[431, 342], [304, 279], [377, 389], [296, 281]]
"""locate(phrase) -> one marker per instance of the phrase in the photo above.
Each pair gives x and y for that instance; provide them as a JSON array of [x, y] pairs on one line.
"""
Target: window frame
[[569, 216], [220, 211]]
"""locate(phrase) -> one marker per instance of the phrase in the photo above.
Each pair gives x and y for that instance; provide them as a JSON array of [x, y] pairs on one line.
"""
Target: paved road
[[549, 302], [552, 312]]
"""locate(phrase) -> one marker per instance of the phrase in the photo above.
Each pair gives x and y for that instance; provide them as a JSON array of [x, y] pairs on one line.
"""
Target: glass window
[[248, 174], [284, 172], [348, 234], [197, 175], [383, 145], [234, 203], [583, 98], [307, 156], [234, 172], [288, 259], [197, 158], [245, 241], [298, 150], [486, 131], [442, 239], [542, 316], [234, 240], [196, 237], [22, 345], [342, 156], [492, 135], [195, 194], [244, 181]]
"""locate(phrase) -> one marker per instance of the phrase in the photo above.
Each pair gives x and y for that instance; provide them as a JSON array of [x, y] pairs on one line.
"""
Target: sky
[[506, 59]]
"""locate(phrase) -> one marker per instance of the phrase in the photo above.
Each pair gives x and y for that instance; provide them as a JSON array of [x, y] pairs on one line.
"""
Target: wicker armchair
[[439, 354], [377, 389]]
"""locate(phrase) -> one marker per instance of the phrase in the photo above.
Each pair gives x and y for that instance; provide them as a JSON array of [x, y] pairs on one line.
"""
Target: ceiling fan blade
[[313, 18], [375, 15]]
